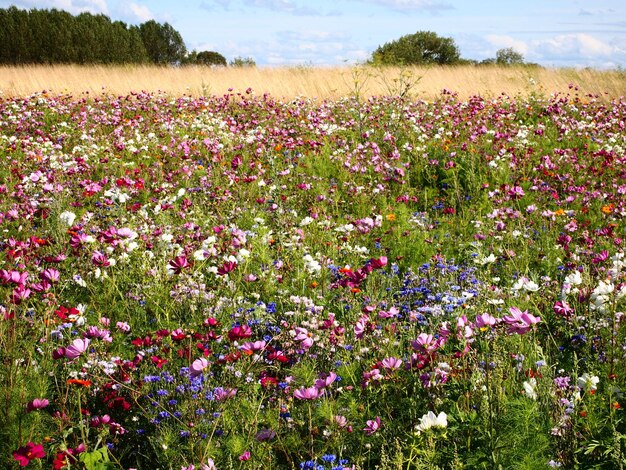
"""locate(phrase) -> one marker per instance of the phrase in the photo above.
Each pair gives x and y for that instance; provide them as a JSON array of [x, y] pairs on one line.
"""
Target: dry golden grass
[[287, 83]]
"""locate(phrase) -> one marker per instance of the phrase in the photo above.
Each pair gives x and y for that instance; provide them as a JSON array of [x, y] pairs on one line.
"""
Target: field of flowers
[[240, 282]]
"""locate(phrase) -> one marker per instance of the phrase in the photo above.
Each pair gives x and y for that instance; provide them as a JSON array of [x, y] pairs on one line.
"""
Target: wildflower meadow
[[243, 282]]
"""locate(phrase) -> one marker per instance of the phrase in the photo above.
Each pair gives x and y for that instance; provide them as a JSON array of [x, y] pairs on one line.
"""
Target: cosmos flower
[[430, 420]]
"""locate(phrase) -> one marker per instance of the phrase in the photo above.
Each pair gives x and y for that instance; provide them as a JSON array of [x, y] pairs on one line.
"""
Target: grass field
[[425, 83]]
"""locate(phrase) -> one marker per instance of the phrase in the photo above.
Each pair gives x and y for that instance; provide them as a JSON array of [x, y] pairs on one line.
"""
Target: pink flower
[[484, 320], [327, 381], [311, 393], [372, 425], [245, 456], [304, 337], [77, 347], [250, 347], [37, 404], [198, 366], [391, 363], [50, 275], [520, 322], [425, 343]]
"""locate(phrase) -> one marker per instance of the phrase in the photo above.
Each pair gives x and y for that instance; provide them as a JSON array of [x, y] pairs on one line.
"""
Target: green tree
[[211, 58], [163, 43], [243, 62], [423, 47], [509, 56]]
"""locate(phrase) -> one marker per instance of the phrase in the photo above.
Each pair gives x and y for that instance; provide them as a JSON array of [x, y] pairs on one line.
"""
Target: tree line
[[426, 47], [54, 36], [39, 36]]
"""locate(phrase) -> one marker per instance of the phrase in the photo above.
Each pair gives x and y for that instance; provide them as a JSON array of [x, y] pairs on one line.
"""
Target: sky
[[559, 33]]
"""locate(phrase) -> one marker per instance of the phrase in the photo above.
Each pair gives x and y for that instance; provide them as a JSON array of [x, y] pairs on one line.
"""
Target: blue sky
[[333, 32]]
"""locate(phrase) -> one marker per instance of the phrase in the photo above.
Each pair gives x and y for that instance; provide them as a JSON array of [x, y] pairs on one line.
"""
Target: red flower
[[28, 452]]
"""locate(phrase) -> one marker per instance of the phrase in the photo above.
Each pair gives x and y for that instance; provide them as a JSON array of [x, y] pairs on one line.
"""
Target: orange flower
[[559, 212], [391, 217], [608, 208], [84, 383]]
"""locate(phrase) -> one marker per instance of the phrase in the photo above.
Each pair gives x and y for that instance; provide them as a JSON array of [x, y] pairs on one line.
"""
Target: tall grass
[[425, 82]]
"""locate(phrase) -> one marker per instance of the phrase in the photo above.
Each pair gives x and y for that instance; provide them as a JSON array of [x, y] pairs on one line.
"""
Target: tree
[[163, 43], [423, 47], [243, 62], [509, 56], [211, 58]]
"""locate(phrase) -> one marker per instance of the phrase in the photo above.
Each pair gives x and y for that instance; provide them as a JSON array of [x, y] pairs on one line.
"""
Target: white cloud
[[413, 5], [140, 12], [72, 6], [502, 41]]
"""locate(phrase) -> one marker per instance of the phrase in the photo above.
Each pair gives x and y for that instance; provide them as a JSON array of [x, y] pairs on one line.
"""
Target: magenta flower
[[29, 452], [198, 366], [563, 308], [50, 275], [245, 456], [37, 404], [378, 263], [372, 425], [360, 326], [520, 322], [227, 267], [178, 265], [100, 259], [77, 347], [327, 381], [311, 393]]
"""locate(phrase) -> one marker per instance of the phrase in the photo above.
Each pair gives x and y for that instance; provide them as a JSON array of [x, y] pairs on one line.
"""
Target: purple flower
[[372, 425]]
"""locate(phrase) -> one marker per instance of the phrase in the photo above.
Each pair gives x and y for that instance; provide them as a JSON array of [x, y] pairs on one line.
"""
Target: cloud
[[580, 45], [413, 5], [138, 12], [293, 48], [502, 41], [72, 6]]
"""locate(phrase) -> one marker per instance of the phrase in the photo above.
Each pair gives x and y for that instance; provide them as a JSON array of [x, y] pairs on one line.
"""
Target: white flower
[[306, 221], [429, 420], [67, 218], [525, 284], [588, 382], [574, 279], [529, 388]]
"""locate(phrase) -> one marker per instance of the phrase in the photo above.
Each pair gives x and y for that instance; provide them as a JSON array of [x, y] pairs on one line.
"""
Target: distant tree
[[243, 62], [163, 43], [509, 56], [423, 47], [211, 58]]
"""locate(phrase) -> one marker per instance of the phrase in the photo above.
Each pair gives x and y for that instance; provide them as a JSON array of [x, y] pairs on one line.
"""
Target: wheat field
[[314, 82]]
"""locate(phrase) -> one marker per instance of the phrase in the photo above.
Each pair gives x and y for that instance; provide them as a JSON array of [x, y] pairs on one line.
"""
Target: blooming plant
[[241, 282]]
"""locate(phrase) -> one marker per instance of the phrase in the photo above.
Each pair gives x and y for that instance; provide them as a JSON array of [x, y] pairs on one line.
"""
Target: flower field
[[241, 282]]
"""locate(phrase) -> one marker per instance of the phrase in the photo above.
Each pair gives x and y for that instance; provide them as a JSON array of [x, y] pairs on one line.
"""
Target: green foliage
[[206, 58], [423, 47], [509, 56], [163, 43], [57, 37], [243, 62]]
